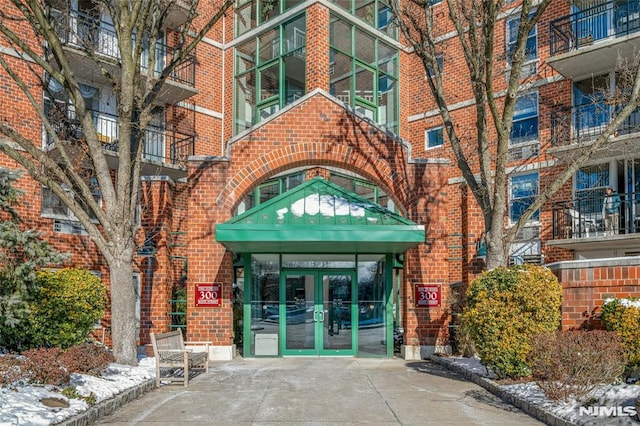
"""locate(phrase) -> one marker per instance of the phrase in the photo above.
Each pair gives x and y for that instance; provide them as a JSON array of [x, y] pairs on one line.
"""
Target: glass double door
[[318, 307]]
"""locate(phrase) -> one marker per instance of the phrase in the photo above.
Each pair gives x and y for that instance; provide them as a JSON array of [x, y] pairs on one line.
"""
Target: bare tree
[[482, 156], [37, 35]]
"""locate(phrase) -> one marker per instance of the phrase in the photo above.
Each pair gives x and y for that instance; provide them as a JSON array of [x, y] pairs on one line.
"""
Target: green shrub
[[65, 308], [505, 308], [570, 364], [623, 317]]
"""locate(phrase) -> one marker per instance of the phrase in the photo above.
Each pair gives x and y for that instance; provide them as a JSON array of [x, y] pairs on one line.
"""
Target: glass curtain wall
[[363, 72], [372, 300], [375, 13], [251, 13], [269, 72]]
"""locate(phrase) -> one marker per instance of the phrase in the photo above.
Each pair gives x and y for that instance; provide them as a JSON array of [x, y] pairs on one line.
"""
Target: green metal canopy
[[319, 217]]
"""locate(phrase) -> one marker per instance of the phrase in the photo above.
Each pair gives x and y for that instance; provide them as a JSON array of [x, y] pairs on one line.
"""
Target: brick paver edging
[[531, 409], [110, 405]]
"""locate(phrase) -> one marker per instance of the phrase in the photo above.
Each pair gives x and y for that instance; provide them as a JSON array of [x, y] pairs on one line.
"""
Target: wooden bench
[[170, 352]]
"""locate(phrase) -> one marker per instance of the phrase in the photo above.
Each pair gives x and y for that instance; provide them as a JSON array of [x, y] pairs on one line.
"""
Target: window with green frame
[[363, 73], [270, 189], [251, 13], [376, 13], [269, 73], [274, 187], [363, 188]]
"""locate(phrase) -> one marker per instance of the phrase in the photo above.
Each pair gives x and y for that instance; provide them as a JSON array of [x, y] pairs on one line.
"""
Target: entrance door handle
[[321, 316]]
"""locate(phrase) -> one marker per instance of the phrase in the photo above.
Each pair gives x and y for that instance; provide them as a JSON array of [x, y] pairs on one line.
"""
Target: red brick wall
[[587, 284], [317, 132]]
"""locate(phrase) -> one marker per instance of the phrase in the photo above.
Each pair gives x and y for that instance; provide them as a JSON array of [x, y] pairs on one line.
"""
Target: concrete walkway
[[321, 391]]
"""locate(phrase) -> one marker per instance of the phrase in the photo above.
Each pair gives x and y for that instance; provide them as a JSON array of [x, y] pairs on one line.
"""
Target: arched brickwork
[[329, 135], [317, 132]]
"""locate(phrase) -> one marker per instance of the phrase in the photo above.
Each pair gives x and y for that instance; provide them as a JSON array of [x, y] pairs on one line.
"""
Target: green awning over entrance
[[319, 217]]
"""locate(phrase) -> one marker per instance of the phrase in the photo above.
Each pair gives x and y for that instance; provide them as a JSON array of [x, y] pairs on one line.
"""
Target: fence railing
[[89, 34], [584, 123], [166, 144], [604, 20], [584, 217]]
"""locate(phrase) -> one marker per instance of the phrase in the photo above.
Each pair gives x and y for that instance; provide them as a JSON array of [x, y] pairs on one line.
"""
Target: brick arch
[[320, 154]]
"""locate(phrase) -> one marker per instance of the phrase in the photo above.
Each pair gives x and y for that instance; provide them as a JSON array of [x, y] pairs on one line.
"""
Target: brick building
[[300, 190]]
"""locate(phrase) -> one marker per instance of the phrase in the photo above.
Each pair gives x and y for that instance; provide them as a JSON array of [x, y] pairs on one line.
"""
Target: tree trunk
[[495, 251], [123, 308]]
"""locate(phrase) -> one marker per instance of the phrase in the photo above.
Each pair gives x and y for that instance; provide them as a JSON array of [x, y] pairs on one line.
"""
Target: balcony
[[575, 127], [87, 39], [590, 41], [579, 224], [166, 147], [178, 13]]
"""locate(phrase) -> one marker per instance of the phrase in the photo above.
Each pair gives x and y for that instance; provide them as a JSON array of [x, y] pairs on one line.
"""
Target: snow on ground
[[21, 405], [614, 404]]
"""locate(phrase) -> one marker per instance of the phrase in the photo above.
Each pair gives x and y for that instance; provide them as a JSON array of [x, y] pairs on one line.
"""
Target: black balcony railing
[[584, 218], [584, 123], [607, 19], [89, 34], [170, 144]]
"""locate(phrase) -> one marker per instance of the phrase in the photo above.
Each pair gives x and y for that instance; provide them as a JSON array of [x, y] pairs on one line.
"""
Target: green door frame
[[318, 316]]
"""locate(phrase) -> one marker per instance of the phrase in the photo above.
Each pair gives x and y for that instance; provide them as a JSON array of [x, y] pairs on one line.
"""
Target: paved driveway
[[321, 391]]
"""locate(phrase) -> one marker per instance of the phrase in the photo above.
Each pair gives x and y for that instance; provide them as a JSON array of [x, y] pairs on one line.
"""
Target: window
[[251, 13], [270, 73], [440, 62], [525, 119], [375, 13], [531, 48], [363, 73], [523, 190], [434, 138], [362, 188], [270, 189], [62, 114], [65, 221], [591, 182]]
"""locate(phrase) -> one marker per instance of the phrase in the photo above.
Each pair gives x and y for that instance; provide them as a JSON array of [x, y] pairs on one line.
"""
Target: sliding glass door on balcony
[[591, 113], [597, 19]]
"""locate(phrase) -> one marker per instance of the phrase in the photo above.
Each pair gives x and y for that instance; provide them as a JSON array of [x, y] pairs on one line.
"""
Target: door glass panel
[[372, 336], [300, 311], [264, 309], [336, 296]]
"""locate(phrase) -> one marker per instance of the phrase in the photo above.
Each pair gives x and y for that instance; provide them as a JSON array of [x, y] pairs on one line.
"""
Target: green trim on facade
[[319, 217]]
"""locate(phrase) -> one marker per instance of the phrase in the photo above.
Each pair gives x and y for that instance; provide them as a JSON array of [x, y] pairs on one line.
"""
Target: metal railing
[[604, 20], [90, 34], [584, 218], [584, 123], [170, 144], [608, 19]]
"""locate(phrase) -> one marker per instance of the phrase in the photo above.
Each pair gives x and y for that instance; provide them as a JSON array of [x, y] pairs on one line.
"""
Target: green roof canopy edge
[[364, 222]]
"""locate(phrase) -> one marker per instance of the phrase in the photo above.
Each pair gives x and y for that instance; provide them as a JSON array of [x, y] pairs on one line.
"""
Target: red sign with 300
[[209, 294], [428, 295]]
